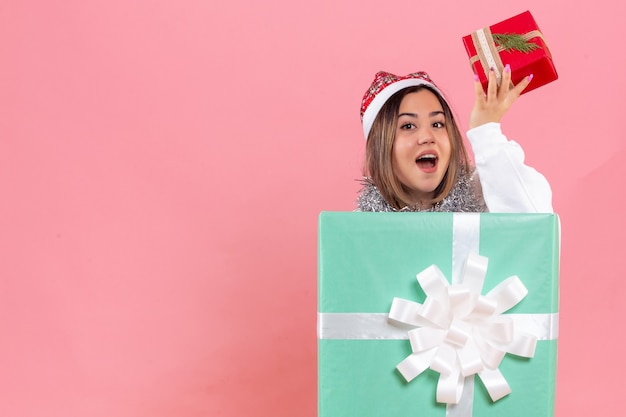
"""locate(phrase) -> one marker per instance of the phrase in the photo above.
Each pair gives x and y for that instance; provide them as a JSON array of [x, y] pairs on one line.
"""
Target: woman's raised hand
[[492, 106]]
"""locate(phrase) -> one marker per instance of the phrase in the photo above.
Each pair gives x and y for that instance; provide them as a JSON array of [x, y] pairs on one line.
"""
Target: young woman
[[416, 159]]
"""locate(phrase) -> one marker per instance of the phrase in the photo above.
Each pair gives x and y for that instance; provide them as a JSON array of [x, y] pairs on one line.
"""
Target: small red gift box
[[516, 41]]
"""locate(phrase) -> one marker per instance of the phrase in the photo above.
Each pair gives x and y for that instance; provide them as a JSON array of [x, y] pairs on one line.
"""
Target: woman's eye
[[407, 126], [438, 124]]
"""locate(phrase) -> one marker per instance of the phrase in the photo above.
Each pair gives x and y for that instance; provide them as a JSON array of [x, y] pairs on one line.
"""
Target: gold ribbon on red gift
[[488, 53]]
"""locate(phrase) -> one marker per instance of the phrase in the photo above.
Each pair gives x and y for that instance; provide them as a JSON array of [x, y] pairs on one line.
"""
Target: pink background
[[163, 163]]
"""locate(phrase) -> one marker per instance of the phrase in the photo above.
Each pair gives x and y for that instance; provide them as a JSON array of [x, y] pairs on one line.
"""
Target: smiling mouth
[[427, 161]]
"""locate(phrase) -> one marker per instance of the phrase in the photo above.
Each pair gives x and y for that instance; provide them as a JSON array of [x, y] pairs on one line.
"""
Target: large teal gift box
[[366, 260]]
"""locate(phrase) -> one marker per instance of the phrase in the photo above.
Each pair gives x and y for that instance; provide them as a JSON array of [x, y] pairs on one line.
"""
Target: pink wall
[[162, 165]]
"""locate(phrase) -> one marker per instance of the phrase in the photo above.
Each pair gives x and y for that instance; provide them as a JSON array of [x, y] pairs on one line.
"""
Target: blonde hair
[[379, 152]]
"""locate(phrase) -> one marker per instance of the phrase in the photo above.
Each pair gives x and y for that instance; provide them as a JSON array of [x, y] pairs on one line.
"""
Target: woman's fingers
[[492, 106], [521, 86], [478, 88], [505, 82], [506, 91], [511, 96]]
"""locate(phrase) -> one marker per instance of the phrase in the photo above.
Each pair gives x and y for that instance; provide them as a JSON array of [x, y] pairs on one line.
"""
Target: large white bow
[[459, 332]]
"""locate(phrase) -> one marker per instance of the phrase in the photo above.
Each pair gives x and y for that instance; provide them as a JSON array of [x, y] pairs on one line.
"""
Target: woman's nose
[[425, 136]]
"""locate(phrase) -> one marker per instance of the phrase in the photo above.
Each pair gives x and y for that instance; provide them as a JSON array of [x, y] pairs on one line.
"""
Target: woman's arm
[[508, 184]]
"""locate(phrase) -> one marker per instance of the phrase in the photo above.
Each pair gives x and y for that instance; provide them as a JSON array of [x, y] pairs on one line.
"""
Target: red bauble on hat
[[383, 87]]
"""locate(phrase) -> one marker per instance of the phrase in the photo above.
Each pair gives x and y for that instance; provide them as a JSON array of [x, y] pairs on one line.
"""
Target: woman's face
[[421, 150]]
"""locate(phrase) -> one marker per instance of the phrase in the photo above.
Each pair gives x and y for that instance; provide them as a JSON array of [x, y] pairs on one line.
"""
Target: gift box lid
[[387, 250]]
